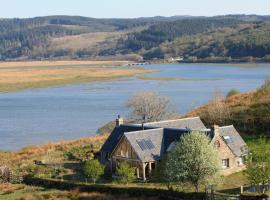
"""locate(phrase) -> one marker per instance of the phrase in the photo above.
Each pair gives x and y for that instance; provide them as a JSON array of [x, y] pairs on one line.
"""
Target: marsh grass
[[15, 76]]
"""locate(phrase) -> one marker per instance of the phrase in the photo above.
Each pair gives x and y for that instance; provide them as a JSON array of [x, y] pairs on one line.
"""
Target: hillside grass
[[90, 41], [27, 155], [248, 112], [16, 76]]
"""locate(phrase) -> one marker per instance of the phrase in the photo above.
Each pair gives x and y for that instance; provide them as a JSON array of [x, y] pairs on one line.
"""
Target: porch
[[144, 170]]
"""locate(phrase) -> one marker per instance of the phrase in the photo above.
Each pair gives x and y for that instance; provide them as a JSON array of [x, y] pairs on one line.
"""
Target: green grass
[[28, 192]]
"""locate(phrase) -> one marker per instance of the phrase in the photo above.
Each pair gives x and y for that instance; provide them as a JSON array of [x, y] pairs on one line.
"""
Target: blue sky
[[131, 8]]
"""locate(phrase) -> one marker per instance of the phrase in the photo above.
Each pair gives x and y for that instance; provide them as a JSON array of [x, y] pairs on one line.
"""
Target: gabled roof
[[193, 123], [154, 137], [160, 139], [235, 142], [117, 134]]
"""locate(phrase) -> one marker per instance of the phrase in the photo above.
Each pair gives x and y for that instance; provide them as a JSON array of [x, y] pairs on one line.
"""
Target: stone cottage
[[144, 145]]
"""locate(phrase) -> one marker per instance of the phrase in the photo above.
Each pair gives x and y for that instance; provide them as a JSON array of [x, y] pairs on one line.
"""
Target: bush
[[82, 153], [93, 169], [126, 173], [232, 92]]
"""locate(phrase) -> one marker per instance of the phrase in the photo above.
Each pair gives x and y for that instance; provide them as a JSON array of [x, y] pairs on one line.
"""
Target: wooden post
[[212, 193], [111, 165], [138, 172], [241, 189], [150, 168], [144, 177]]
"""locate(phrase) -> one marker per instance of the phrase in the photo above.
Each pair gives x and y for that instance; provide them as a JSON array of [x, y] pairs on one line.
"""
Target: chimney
[[215, 130], [143, 122], [119, 121]]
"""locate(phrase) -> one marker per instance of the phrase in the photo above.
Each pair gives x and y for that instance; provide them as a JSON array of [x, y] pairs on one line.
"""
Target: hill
[[244, 42], [249, 112], [76, 37]]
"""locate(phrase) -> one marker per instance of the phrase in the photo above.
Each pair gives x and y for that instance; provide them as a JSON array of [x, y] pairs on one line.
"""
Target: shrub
[[82, 153], [93, 169], [126, 172], [232, 92]]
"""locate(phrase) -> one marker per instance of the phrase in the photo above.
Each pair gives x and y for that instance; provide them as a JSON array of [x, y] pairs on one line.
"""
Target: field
[[89, 41], [16, 76]]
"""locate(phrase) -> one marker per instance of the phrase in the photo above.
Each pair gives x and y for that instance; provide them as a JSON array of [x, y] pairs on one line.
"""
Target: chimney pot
[[119, 121]]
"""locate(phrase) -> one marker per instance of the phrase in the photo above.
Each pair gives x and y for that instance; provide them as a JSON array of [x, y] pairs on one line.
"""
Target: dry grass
[[23, 192], [239, 100], [58, 63], [24, 75], [29, 154], [85, 41], [10, 188]]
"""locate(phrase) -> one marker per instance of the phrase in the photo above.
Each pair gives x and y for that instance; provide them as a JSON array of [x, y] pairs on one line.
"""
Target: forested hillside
[[244, 42], [221, 38]]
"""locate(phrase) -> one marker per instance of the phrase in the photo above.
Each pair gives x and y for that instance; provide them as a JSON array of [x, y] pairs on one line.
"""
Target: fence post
[[241, 189], [212, 193], [206, 192]]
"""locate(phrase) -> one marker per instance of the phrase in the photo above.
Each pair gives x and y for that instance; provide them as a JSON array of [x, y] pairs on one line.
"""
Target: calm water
[[39, 116]]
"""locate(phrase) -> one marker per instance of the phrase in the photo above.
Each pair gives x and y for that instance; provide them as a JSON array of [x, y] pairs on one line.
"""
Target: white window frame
[[225, 163], [240, 161]]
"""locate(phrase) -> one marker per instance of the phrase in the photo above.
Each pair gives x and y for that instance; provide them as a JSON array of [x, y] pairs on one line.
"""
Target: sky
[[131, 8]]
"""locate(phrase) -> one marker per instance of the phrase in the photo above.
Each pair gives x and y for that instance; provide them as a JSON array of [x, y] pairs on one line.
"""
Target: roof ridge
[[148, 130], [172, 120], [227, 126]]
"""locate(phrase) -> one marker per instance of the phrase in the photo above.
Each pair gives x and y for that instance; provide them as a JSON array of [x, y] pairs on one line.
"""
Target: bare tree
[[5, 174], [217, 111], [149, 107]]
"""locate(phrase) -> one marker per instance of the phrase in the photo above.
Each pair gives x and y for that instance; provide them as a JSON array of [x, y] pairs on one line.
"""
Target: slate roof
[[155, 136], [193, 123], [163, 134], [117, 134], [237, 144]]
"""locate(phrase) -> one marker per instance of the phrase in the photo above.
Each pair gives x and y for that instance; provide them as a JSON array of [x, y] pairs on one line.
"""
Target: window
[[240, 161], [225, 163], [228, 139]]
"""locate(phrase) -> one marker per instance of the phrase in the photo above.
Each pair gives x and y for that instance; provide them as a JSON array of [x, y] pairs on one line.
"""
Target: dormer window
[[228, 139]]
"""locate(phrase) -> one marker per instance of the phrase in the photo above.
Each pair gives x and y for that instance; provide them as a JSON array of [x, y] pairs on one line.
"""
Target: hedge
[[132, 191], [253, 196]]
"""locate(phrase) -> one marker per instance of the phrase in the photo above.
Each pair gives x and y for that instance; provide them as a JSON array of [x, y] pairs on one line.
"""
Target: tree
[[258, 163], [217, 112], [5, 174], [192, 160], [126, 172], [93, 169], [149, 107]]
